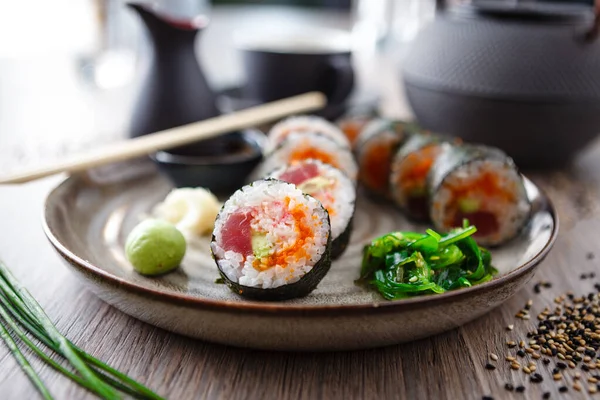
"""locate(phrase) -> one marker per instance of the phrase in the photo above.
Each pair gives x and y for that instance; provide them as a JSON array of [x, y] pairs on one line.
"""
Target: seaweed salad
[[404, 264]]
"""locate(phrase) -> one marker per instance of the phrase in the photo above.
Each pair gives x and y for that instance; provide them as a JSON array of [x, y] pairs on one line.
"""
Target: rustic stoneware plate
[[87, 223]]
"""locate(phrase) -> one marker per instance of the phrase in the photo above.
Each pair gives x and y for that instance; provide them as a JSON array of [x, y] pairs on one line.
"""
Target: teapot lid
[[525, 11]]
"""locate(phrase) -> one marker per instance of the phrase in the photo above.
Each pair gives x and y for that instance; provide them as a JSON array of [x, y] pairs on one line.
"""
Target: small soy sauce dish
[[221, 164]]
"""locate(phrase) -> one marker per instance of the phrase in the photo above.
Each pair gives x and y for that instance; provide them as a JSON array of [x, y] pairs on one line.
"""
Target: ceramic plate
[[88, 223]]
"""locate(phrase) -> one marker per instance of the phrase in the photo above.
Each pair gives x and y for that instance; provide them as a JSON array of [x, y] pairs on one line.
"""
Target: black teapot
[[522, 76]]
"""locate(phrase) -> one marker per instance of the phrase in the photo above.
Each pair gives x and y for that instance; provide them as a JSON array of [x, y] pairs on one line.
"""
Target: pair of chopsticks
[[174, 137]]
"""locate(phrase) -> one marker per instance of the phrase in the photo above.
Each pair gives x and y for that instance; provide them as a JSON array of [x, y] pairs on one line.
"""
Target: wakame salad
[[404, 264]]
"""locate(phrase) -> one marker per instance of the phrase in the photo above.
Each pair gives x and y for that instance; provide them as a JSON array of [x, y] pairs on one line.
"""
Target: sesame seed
[[592, 389], [493, 357], [577, 386], [563, 389], [557, 377], [510, 327], [510, 358], [490, 366], [522, 343], [520, 389], [521, 353], [546, 396], [509, 387], [515, 366], [526, 370]]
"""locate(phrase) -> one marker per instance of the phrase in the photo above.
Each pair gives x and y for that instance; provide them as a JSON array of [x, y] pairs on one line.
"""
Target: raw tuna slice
[[237, 233]]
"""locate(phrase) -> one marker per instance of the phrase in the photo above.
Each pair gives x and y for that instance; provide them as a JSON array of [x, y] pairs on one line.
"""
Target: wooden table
[[448, 366]]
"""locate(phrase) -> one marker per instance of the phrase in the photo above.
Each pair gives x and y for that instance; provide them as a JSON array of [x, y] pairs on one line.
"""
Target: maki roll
[[304, 124], [409, 170], [298, 147], [480, 184], [271, 241], [374, 149], [332, 188]]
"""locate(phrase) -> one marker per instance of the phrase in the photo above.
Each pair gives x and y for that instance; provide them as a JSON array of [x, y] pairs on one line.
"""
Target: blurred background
[[69, 69]]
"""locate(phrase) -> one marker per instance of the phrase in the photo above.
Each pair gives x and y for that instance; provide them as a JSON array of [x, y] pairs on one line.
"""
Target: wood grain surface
[[448, 366]]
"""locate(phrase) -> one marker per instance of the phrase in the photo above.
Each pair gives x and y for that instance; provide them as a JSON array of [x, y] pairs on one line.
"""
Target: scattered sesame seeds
[[569, 332]]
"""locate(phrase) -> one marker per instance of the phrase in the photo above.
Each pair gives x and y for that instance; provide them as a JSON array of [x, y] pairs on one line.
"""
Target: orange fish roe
[[296, 250], [415, 167], [487, 184], [306, 151], [376, 165]]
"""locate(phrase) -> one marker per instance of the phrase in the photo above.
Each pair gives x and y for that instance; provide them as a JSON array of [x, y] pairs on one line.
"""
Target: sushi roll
[[271, 241], [374, 149], [480, 184], [298, 147], [409, 170], [304, 124], [332, 188]]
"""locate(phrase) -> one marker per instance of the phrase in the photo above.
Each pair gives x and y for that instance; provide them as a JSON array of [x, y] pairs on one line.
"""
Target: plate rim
[[279, 308]]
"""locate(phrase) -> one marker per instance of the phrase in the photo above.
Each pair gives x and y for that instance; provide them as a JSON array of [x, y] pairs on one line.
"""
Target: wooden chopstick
[[174, 137]]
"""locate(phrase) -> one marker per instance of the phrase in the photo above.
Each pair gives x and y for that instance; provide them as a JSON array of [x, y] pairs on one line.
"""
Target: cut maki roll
[[409, 170], [480, 184], [333, 189], [271, 241], [303, 124], [374, 149], [298, 147]]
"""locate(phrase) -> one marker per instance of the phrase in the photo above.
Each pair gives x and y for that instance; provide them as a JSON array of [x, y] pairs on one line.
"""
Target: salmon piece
[[300, 173], [236, 234]]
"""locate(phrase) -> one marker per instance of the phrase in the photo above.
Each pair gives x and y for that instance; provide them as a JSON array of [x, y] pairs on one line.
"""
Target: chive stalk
[[19, 308]]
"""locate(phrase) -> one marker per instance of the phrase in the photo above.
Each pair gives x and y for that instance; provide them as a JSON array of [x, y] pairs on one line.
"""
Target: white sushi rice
[[306, 123], [298, 143], [338, 197], [511, 216], [270, 215]]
